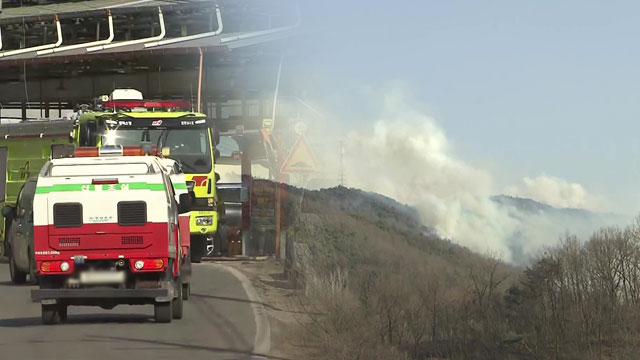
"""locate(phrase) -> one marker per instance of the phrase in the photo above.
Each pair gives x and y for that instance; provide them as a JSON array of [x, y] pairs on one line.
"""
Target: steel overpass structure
[[225, 56]]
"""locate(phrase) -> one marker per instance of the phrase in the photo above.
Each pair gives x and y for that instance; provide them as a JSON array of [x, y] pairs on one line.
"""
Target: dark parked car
[[20, 234]]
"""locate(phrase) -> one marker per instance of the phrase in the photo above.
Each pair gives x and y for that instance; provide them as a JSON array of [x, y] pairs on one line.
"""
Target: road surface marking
[[262, 341]]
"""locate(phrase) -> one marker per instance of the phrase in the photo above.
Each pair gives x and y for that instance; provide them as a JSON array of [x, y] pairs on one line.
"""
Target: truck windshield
[[190, 147]]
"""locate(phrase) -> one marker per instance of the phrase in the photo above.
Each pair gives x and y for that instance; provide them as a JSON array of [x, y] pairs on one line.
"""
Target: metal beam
[[218, 31], [37, 48], [163, 32], [85, 45]]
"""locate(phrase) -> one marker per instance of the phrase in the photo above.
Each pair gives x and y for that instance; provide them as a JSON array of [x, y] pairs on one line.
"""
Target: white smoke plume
[[556, 192], [408, 157]]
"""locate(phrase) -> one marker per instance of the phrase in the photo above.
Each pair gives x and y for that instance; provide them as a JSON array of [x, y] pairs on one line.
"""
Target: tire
[[4, 247], [198, 248], [185, 276], [50, 314], [163, 312], [186, 269], [186, 291], [178, 302], [17, 276], [63, 312]]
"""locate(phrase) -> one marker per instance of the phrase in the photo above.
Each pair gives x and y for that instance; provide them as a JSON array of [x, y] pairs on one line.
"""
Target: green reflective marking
[[145, 186], [105, 187], [180, 186]]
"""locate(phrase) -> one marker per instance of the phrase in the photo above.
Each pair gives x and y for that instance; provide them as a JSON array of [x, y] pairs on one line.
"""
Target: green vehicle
[[24, 148]]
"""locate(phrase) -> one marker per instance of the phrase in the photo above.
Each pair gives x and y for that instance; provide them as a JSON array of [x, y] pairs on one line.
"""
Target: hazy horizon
[[541, 96]]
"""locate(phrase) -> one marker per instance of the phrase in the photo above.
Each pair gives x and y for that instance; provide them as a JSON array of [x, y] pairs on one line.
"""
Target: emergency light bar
[[116, 150], [111, 150], [133, 104]]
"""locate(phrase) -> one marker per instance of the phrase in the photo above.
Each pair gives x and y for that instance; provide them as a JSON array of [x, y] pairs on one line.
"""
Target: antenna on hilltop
[[341, 176]]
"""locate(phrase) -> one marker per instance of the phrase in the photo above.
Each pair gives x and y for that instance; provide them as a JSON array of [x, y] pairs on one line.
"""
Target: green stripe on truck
[[90, 187]]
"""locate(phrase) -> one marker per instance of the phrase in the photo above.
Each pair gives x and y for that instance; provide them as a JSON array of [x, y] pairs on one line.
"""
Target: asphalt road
[[219, 322]]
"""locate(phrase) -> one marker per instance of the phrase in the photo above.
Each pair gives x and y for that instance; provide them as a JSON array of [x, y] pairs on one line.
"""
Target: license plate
[[102, 277]]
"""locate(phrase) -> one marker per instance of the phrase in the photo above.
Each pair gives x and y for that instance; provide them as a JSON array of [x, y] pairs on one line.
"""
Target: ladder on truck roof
[[36, 129]]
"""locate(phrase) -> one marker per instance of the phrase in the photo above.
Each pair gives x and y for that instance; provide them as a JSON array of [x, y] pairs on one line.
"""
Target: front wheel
[[50, 314], [17, 276], [163, 312]]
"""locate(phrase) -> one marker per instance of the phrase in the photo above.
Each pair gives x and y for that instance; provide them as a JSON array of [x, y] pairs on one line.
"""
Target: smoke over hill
[[407, 156]]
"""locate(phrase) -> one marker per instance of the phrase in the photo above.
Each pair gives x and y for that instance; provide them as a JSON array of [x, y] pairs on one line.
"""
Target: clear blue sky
[[521, 88]]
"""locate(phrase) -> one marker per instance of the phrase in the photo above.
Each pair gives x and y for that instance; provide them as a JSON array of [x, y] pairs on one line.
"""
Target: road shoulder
[[278, 300]]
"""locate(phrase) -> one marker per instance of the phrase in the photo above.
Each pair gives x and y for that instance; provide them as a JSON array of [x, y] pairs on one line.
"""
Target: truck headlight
[[204, 220]]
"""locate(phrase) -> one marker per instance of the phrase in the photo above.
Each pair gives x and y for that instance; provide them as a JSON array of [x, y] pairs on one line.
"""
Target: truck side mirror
[[216, 136], [7, 211], [190, 186], [184, 206]]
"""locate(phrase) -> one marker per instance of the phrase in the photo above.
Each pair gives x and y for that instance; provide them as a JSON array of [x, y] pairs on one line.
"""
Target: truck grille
[[68, 242], [132, 240], [132, 213], [67, 215]]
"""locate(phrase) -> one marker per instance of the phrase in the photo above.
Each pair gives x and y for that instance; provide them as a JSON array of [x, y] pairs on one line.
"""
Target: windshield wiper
[[145, 136], [188, 166]]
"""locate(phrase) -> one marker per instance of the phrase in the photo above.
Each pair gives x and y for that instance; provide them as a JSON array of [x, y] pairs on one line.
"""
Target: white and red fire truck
[[108, 231]]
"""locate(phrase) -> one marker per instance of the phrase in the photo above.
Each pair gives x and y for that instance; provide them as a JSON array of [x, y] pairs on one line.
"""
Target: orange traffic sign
[[301, 159]]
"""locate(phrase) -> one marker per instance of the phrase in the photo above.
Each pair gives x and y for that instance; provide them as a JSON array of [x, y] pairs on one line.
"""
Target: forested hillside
[[379, 285]]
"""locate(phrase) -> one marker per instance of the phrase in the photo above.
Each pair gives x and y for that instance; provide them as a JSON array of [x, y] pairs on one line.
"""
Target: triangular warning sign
[[300, 160]]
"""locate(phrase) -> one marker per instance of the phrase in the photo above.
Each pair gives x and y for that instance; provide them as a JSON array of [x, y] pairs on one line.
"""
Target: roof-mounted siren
[[132, 100], [126, 94], [124, 99]]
